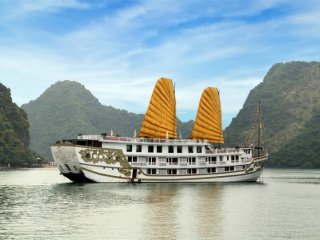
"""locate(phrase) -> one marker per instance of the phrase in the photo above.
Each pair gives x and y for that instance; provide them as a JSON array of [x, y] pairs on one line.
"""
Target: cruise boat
[[156, 154]]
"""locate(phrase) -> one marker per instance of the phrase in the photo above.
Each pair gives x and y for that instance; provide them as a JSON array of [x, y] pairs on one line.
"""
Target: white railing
[[215, 162], [223, 150], [90, 137], [138, 164], [149, 140]]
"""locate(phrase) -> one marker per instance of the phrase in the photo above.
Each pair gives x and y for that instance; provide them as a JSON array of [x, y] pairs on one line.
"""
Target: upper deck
[[141, 140]]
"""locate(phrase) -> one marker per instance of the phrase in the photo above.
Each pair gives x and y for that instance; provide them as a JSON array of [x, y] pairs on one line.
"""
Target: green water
[[41, 204]]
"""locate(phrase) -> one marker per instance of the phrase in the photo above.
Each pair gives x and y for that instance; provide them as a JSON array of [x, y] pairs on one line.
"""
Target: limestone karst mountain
[[67, 109], [290, 101], [14, 133]]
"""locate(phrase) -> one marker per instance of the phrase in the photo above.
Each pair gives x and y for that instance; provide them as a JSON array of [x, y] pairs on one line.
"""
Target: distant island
[[289, 95]]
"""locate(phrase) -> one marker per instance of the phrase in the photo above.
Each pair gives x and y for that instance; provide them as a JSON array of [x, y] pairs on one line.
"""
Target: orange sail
[[208, 124], [160, 118]]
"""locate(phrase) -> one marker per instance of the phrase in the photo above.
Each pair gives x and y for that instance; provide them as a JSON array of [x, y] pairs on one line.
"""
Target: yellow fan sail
[[208, 124], [160, 118]]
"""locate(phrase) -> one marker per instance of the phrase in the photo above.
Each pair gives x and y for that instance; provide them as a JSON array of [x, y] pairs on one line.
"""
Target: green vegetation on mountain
[[67, 109], [305, 146], [290, 104], [14, 135]]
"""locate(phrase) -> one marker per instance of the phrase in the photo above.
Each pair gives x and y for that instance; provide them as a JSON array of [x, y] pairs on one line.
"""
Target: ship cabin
[[171, 156]]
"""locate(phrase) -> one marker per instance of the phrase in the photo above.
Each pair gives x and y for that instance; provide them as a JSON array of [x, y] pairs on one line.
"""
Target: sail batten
[[160, 118], [208, 124]]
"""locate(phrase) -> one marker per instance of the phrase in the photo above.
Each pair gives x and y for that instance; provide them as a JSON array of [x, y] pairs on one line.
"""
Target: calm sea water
[[41, 204]]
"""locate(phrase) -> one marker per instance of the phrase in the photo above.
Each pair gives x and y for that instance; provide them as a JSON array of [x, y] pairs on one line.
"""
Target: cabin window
[[129, 148], [139, 148], [211, 170], [192, 171], [190, 149], [174, 161], [159, 149], [129, 159], [226, 169], [151, 171], [192, 161], [221, 158], [199, 149], [172, 171], [214, 160], [179, 149], [150, 148], [231, 168], [134, 159], [227, 158], [170, 149], [152, 161]]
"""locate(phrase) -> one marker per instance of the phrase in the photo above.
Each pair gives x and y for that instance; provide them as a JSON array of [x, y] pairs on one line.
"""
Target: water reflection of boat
[[157, 155]]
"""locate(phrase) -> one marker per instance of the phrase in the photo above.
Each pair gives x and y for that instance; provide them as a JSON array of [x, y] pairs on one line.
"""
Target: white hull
[[95, 175]]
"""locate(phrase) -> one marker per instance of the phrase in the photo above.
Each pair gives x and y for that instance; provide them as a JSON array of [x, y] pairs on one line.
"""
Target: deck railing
[[132, 139]]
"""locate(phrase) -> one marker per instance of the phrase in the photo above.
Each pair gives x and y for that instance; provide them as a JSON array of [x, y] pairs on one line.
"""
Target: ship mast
[[256, 129], [259, 128]]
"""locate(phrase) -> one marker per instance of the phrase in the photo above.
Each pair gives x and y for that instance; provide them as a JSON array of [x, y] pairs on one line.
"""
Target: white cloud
[[26, 7]]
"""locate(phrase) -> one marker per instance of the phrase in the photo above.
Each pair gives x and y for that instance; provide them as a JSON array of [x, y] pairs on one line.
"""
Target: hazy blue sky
[[118, 49]]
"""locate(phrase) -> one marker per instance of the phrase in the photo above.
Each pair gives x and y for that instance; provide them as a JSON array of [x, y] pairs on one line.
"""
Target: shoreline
[[27, 167]]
